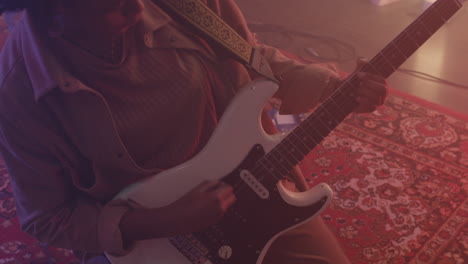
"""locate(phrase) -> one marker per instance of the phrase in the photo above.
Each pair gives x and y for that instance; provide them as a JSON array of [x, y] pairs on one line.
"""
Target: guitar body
[[264, 208]]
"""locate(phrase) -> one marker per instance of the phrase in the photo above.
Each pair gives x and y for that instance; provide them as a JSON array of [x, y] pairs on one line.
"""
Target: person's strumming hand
[[202, 207]]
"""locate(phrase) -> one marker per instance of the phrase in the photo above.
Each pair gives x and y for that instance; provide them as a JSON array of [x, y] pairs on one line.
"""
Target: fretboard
[[299, 142]]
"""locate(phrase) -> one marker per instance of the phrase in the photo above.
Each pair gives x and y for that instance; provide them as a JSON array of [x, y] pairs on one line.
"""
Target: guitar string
[[317, 114], [258, 170], [271, 155], [301, 128]]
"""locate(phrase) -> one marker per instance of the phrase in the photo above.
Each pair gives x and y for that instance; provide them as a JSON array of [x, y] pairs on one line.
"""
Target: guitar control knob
[[225, 252]]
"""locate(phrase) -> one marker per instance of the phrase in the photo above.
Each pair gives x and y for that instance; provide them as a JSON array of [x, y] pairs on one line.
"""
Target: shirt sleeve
[[302, 85], [48, 206]]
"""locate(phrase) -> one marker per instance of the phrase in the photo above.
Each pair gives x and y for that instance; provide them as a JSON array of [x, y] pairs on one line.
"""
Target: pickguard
[[248, 226]]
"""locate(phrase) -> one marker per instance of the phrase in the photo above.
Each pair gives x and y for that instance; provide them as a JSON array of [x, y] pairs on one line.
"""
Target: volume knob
[[225, 252]]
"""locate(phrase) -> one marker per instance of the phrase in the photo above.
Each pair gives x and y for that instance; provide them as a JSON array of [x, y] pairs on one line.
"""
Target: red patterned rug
[[400, 177]]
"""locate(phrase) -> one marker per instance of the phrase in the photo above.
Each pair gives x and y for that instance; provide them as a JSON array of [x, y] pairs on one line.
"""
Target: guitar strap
[[209, 24]]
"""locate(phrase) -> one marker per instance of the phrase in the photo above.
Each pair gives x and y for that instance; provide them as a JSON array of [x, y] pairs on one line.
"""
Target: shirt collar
[[153, 18]]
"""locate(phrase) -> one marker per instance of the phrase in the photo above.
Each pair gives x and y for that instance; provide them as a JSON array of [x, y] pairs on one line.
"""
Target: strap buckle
[[259, 64]]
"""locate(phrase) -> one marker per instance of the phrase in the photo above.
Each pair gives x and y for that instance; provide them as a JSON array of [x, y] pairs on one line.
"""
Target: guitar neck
[[340, 104]]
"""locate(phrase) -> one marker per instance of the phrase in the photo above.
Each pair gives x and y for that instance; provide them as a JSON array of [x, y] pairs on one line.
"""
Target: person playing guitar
[[98, 95]]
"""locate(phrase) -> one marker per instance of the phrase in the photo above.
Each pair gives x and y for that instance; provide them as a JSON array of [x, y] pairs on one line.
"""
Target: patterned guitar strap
[[200, 16], [207, 22]]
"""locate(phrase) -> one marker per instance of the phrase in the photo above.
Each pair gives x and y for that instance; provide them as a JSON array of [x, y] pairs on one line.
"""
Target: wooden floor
[[368, 28]]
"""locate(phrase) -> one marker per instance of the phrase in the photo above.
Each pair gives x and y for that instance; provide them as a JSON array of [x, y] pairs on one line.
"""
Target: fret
[[406, 44], [418, 33], [394, 55], [346, 94], [319, 127], [294, 147], [340, 99], [303, 139], [327, 120], [367, 68], [298, 155], [316, 131], [285, 157], [348, 105], [303, 132], [278, 162], [291, 151], [353, 81], [382, 64], [349, 99], [424, 28], [438, 8], [268, 170], [322, 128], [447, 8], [432, 19], [338, 103], [333, 105], [282, 159], [332, 109]]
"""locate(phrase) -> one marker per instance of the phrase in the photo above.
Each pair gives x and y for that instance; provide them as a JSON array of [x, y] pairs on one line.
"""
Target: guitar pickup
[[255, 184]]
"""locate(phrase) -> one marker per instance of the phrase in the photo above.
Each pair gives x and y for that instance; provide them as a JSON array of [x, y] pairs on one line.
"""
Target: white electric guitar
[[253, 162]]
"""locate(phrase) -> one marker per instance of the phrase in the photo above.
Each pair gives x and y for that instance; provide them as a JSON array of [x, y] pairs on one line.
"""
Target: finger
[[229, 201], [360, 62], [379, 84], [208, 185], [374, 91], [366, 76], [224, 191], [363, 66]]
